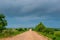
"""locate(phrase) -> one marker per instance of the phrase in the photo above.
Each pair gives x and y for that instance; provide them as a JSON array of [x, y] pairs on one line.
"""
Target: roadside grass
[[47, 35], [55, 36], [10, 33], [57, 33], [2, 35]]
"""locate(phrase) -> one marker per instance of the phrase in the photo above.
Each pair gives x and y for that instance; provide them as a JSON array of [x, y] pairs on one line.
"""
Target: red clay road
[[29, 35]]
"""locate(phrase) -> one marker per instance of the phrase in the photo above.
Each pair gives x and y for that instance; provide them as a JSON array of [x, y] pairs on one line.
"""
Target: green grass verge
[[10, 34], [52, 36]]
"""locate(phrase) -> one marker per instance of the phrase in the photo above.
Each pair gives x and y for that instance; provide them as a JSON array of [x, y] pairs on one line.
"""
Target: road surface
[[29, 35]]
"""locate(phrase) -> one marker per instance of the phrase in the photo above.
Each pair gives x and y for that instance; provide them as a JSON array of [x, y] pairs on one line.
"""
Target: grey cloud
[[13, 8]]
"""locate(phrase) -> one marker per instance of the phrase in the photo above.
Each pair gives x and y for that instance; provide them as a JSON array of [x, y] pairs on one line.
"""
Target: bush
[[49, 31], [57, 33], [54, 38], [8, 33], [25, 29], [20, 29]]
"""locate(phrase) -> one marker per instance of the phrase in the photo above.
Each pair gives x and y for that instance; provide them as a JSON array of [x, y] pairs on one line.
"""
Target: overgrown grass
[[55, 36], [57, 33], [10, 33]]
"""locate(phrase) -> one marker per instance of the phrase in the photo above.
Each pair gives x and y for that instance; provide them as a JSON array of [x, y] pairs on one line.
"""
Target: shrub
[[54, 38], [20, 29], [49, 31], [57, 33]]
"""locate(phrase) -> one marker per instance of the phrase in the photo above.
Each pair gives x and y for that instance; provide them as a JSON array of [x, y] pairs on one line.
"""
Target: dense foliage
[[40, 27], [3, 22], [21, 29], [53, 33]]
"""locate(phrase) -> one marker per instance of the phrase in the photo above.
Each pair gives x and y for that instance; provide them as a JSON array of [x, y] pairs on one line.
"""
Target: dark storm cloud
[[27, 12], [22, 8]]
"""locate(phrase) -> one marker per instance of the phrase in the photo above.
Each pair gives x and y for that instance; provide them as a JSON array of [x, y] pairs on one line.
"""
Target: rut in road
[[29, 35]]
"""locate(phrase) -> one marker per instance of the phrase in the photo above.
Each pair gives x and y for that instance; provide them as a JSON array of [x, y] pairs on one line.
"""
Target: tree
[[3, 22], [25, 29], [40, 27], [20, 29]]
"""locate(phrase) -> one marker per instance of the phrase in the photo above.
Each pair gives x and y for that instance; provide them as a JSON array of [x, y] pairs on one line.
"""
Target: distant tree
[[25, 29], [20, 29], [40, 27], [3, 22]]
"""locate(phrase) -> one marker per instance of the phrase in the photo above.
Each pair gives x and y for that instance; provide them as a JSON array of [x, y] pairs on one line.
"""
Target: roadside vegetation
[[8, 32], [53, 33]]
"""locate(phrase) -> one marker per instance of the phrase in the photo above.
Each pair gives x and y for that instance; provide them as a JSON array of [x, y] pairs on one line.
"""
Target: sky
[[29, 13]]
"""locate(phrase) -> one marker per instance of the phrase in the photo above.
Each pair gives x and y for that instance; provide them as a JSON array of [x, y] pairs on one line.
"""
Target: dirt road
[[29, 35]]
